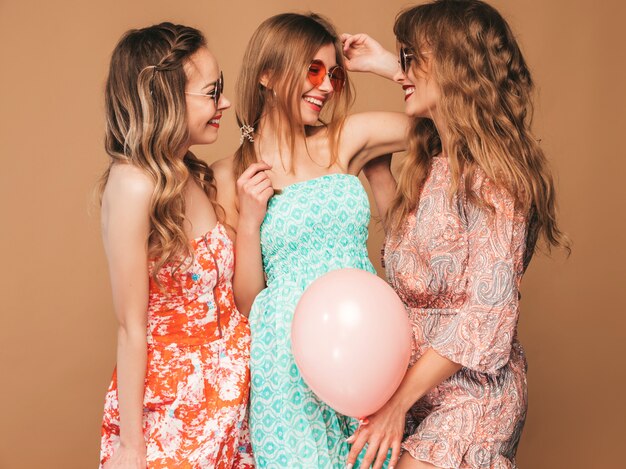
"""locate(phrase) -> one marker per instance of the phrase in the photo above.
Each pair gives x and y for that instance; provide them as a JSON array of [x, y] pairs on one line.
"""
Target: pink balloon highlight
[[351, 340]]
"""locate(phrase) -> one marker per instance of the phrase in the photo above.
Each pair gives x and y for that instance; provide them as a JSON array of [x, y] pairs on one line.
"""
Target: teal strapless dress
[[313, 227]]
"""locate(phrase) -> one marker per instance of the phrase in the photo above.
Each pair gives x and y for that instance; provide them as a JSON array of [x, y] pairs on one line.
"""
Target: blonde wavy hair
[[146, 126], [281, 49], [486, 102]]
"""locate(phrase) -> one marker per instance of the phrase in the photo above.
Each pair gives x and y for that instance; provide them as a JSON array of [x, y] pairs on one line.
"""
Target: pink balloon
[[351, 340]]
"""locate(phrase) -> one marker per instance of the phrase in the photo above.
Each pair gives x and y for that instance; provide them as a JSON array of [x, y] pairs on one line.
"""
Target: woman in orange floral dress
[[179, 395], [473, 197]]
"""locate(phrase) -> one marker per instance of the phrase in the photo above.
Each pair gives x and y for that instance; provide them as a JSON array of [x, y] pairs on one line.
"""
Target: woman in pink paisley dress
[[473, 197], [179, 394]]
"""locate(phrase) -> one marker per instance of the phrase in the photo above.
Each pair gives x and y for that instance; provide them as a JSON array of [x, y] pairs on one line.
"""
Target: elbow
[[244, 297], [129, 332]]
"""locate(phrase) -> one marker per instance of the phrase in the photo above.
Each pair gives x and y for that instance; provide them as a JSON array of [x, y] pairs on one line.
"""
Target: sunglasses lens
[[337, 78], [405, 59], [316, 73], [219, 89]]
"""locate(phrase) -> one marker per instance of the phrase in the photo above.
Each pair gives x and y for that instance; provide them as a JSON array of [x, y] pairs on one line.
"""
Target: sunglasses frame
[[405, 59], [216, 93], [328, 73]]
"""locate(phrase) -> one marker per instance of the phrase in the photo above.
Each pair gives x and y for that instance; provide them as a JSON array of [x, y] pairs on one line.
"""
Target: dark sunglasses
[[405, 59], [317, 72], [216, 93]]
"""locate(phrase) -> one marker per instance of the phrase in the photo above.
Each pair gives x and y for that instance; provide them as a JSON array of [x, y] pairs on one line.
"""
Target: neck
[[273, 140], [442, 130]]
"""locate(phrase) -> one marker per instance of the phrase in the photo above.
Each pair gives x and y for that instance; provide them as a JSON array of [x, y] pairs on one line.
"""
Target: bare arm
[[252, 190], [429, 371], [367, 135], [365, 54], [371, 134], [125, 228]]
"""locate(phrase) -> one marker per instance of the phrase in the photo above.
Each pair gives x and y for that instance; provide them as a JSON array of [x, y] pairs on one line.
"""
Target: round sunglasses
[[317, 72], [216, 93], [405, 59]]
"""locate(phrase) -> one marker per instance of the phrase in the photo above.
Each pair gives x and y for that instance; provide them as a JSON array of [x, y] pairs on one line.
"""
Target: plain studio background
[[58, 329]]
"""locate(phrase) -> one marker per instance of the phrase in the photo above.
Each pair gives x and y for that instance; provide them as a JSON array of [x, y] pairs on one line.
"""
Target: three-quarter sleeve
[[479, 337]]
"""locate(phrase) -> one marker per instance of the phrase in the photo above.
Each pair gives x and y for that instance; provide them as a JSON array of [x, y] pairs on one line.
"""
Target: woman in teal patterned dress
[[299, 212]]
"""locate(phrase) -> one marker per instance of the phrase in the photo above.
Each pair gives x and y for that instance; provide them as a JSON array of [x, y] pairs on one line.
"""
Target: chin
[[309, 120], [205, 140], [309, 117], [414, 111]]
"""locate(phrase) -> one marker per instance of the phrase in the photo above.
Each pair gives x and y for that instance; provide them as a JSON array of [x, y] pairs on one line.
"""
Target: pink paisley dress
[[458, 268], [197, 378]]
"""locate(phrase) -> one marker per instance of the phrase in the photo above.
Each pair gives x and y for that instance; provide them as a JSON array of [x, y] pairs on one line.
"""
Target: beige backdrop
[[57, 338]]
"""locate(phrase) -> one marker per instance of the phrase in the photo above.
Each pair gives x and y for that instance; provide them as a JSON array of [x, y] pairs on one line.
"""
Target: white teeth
[[317, 102], [214, 121], [408, 91]]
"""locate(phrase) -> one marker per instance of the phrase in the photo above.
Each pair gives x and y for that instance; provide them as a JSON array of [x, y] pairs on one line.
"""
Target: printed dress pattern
[[313, 227], [197, 378], [458, 268]]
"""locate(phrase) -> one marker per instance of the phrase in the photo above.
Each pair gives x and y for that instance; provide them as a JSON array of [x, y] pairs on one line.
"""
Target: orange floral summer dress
[[197, 379]]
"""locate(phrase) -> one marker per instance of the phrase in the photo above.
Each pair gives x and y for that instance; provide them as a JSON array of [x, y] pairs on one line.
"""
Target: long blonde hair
[[486, 102], [146, 126], [281, 49]]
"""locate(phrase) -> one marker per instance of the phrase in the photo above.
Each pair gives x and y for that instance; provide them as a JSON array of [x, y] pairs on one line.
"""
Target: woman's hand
[[364, 54], [254, 190], [127, 457], [383, 431]]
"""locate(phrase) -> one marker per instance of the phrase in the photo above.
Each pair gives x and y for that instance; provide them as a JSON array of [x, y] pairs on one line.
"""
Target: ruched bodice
[[316, 226], [311, 228]]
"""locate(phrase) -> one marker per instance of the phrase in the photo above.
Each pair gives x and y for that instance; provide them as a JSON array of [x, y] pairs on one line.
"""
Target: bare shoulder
[[224, 171], [129, 181], [128, 187], [224, 175]]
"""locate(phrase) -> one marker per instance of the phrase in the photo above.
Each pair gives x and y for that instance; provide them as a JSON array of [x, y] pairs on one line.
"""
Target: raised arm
[[368, 135], [125, 230], [245, 203]]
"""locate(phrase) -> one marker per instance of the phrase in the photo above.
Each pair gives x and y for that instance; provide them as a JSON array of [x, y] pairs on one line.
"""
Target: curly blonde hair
[[486, 102], [146, 126]]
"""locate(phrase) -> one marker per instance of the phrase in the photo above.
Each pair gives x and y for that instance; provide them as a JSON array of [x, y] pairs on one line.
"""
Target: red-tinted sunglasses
[[317, 72]]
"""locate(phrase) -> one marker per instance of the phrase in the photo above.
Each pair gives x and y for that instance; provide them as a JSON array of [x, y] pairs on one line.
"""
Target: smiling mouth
[[408, 91], [215, 122], [314, 103]]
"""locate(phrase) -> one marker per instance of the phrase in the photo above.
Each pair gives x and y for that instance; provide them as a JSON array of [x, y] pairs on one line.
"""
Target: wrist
[[402, 401], [248, 227], [135, 442], [386, 65]]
